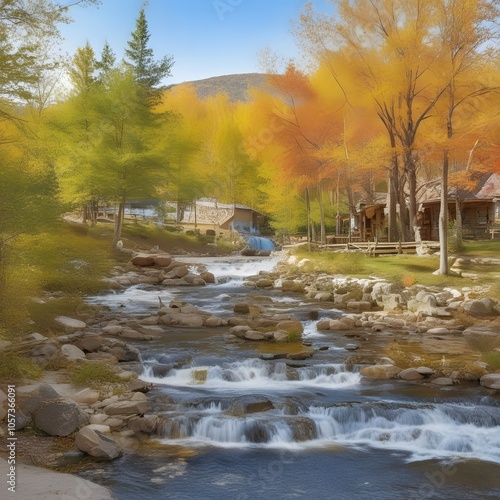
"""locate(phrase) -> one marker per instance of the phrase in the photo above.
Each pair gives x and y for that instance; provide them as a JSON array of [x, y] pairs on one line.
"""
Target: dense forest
[[396, 93]]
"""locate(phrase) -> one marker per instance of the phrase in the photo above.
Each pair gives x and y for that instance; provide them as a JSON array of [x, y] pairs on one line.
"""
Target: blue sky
[[205, 37]]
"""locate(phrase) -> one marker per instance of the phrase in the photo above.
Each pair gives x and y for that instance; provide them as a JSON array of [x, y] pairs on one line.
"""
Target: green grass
[[404, 268], [493, 360], [145, 235], [94, 374], [486, 248], [68, 262], [13, 366]]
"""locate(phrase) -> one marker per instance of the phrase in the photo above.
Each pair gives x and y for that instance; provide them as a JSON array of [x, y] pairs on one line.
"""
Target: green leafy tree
[[148, 72], [106, 63]]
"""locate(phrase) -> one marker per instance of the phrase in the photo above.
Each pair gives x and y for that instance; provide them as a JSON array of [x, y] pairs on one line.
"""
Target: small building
[[207, 213], [370, 217], [480, 207]]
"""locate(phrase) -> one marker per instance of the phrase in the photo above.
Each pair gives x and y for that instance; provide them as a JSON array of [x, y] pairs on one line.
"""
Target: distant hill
[[235, 86]]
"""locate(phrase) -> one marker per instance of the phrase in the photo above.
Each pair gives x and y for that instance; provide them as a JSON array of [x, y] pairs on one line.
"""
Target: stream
[[318, 429]]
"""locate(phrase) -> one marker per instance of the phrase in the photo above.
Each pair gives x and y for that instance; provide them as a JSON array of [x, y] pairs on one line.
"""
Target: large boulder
[[143, 260], [249, 404], [480, 307], [491, 381], [162, 260], [71, 352], [241, 307], [89, 343], [207, 277], [59, 418], [70, 325], [42, 354], [97, 444], [410, 374], [380, 372], [132, 407], [294, 286]]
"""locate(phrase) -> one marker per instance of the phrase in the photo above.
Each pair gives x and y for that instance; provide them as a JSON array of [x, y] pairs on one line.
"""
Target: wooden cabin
[[207, 213], [480, 208], [371, 219]]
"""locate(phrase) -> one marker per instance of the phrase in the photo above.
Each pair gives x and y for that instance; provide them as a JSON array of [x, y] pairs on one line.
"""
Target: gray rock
[[480, 307], [127, 408], [293, 286], [254, 335], [301, 355], [147, 424], [72, 353], [59, 418], [143, 260], [380, 372], [86, 396], [113, 329], [162, 260], [249, 404], [97, 444], [442, 381], [214, 321], [438, 331], [410, 374], [323, 325], [351, 347], [42, 354], [491, 381], [280, 336], [89, 343], [70, 325], [207, 277], [264, 283], [424, 370], [241, 308]]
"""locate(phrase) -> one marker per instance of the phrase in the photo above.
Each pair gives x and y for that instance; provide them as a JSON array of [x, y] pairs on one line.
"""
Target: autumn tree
[[387, 42], [467, 66]]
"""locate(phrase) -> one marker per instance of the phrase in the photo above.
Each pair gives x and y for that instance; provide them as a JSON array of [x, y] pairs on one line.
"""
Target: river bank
[[175, 349]]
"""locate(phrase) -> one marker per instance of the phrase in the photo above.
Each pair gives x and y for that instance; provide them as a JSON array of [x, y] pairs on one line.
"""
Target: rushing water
[[237, 426]]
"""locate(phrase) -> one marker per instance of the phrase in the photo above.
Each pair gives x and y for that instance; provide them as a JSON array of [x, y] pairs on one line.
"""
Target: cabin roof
[[487, 188]]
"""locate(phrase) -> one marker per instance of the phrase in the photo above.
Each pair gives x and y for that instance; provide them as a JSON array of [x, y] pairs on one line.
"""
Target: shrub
[[493, 360], [294, 335], [94, 374], [13, 366]]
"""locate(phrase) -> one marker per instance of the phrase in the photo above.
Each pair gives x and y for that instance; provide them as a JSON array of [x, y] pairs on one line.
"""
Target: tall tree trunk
[[321, 215], [119, 223], [338, 220], [403, 233], [412, 183], [443, 217], [458, 221], [308, 211], [393, 198]]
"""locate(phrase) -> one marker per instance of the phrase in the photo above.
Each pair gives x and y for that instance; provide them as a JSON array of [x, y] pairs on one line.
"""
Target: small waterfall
[[254, 374], [261, 244], [422, 431]]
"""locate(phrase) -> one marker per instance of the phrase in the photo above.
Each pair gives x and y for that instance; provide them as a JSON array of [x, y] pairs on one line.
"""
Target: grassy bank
[[48, 274], [409, 269]]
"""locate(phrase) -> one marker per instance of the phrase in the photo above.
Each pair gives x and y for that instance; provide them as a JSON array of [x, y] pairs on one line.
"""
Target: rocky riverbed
[[446, 329]]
